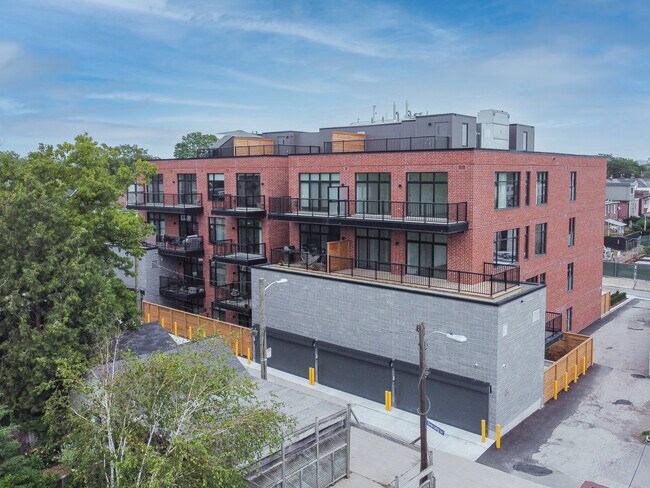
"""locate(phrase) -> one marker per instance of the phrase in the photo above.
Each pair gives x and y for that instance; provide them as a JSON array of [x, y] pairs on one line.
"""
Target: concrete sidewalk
[[402, 425]]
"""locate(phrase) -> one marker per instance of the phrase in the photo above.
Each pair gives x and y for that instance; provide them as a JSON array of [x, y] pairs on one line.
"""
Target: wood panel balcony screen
[[339, 249]]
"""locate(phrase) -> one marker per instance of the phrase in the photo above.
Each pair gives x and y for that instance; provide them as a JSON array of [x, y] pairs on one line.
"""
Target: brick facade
[[471, 175]]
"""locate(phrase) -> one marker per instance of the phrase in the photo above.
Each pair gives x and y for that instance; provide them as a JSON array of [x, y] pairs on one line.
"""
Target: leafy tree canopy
[[126, 153], [618, 167], [185, 418], [64, 235], [192, 142]]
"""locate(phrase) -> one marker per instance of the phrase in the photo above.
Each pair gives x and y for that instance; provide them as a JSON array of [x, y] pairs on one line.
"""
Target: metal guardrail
[[233, 295], [261, 150], [424, 143], [553, 324], [183, 289], [371, 209], [233, 202], [181, 200], [179, 245], [486, 284], [229, 248]]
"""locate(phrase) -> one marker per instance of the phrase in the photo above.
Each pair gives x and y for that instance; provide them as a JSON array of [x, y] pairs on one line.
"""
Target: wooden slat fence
[[605, 302], [577, 347], [192, 326]]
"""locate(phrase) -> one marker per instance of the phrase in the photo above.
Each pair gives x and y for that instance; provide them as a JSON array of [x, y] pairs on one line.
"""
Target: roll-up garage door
[[359, 373], [290, 352], [455, 400]]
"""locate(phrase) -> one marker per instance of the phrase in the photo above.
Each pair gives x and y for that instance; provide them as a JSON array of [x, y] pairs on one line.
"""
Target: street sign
[[268, 353], [435, 427]]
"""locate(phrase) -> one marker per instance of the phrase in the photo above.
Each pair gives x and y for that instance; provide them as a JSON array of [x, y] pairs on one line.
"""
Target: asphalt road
[[592, 433]]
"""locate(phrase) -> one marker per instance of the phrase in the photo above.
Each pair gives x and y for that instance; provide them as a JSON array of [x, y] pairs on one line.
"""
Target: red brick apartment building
[[432, 196]]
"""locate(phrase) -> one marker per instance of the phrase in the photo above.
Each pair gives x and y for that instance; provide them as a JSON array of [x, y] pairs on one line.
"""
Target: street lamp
[[422, 383], [263, 287]]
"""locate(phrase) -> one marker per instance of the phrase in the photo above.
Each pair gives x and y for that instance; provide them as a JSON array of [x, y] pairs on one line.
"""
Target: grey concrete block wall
[[382, 320], [150, 272]]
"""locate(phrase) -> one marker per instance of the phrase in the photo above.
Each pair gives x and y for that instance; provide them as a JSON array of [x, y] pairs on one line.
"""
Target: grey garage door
[[455, 400], [362, 374], [290, 352]]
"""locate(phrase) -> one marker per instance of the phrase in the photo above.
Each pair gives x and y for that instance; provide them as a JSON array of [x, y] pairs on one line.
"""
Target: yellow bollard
[[390, 401], [483, 430], [190, 331], [498, 436], [555, 390], [205, 334], [162, 321], [175, 328], [312, 376], [566, 381], [584, 366], [236, 348], [575, 373], [148, 318], [248, 355]]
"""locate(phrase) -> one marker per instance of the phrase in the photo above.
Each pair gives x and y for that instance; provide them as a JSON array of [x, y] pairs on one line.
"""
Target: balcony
[[240, 254], [179, 246], [426, 143], [493, 284], [181, 289], [446, 218], [233, 296], [179, 203], [261, 150], [553, 328], [239, 206]]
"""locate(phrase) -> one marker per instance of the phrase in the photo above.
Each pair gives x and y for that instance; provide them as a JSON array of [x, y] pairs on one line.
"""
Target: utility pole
[[262, 289], [424, 448]]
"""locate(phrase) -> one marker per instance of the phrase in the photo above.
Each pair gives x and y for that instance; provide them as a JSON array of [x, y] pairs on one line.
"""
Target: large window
[[217, 274], [542, 187], [187, 188], [506, 246], [314, 238], [464, 134], [423, 190], [569, 277], [572, 231], [248, 186], [249, 235], [373, 193], [527, 189], [506, 190], [215, 186], [540, 239], [314, 190], [526, 241], [216, 229], [426, 254], [193, 268], [155, 189], [373, 247], [572, 185], [188, 225], [569, 319], [158, 222]]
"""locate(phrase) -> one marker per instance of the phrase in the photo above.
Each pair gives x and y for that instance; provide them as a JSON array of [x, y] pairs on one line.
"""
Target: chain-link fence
[[314, 457]]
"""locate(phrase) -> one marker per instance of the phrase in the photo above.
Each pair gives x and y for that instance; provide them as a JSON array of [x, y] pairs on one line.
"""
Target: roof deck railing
[[261, 150], [423, 143]]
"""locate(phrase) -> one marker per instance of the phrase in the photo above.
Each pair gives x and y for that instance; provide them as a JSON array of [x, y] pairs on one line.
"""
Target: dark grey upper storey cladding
[[443, 125]]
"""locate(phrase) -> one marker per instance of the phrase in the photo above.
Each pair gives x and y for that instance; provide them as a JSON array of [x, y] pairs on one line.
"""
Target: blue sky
[[148, 71]]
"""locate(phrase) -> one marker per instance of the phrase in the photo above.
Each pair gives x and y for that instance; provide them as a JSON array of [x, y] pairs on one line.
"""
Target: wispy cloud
[[153, 98], [309, 86], [157, 8], [9, 106]]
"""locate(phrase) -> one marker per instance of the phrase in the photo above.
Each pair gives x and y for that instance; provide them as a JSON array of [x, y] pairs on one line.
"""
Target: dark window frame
[[214, 223], [526, 242], [313, 190], [541, 231], [216, 191], [378, 183], [426, 239], [570, 276], [155, 219], [504, 240], [188, 225], [156, 189], [541, 188], [569, 319], [573, 184], [381, 238], [214, 274], [511, 182], [422, 180], [320, 233], [527, 190], [572, 231]]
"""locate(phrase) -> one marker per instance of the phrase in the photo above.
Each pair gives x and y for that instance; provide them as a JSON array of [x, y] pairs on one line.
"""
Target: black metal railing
[[237, 295], [262, 150], [371, 209], [141, 198], [553, 324], [242, 251], [233, 202], [486, 284], [182, 288], [424, 143], [507, 272], [180, 245]]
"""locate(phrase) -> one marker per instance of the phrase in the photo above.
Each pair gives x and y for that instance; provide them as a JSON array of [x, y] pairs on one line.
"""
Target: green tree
[[18, 469], [184, 418], [64, 234], [126, 153], [618, 166], [192, 142]]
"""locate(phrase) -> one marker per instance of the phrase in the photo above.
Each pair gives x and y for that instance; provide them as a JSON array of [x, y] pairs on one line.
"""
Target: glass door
[[248, 189]]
